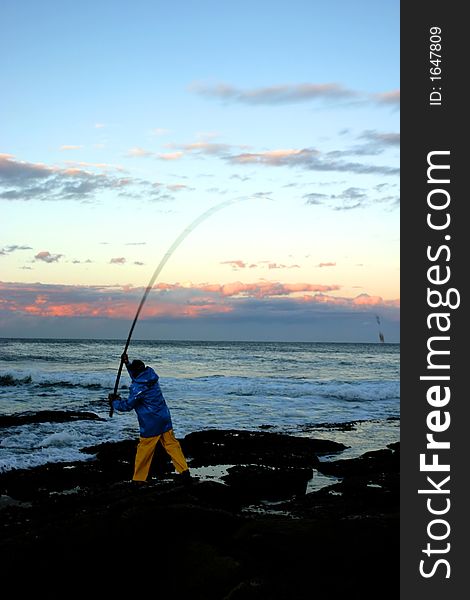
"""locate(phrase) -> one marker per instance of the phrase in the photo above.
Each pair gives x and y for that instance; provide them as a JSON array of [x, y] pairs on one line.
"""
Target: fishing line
[[183, 235]]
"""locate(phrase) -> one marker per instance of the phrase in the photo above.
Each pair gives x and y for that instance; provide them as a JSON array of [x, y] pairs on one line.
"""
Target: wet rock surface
[[253, 533]]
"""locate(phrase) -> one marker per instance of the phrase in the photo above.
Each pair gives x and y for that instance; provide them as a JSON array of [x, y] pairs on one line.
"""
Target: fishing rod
[[205, 215]]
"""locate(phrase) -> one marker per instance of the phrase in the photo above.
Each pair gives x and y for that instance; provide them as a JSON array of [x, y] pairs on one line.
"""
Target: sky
[[123, 121]]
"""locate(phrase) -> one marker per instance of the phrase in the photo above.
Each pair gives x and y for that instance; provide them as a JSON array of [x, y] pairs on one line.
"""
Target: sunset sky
[[121, 122]]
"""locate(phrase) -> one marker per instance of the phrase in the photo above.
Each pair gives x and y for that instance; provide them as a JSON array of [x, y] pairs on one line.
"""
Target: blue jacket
[[146, 398]]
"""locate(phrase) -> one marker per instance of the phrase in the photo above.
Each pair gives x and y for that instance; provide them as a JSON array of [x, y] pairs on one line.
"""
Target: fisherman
[[146, 398]]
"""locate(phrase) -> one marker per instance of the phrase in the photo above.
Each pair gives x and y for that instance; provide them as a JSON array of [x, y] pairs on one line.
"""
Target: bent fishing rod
[[183, 235]]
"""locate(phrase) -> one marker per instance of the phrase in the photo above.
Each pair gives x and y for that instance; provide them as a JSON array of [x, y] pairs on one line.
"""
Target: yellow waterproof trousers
[[146, 450]]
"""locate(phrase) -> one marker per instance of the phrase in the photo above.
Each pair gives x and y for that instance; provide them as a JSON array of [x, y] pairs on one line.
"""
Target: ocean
[[303, 389]]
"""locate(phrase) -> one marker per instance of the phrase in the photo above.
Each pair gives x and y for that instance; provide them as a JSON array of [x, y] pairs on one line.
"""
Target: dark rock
[[110, 452], [47, 416], [253, 482], [369, 464], [348, 426], [370, 484], [213, 447], [101, 535], [9, 380]]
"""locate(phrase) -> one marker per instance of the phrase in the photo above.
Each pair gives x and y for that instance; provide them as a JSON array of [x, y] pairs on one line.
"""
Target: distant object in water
[[381, 335]]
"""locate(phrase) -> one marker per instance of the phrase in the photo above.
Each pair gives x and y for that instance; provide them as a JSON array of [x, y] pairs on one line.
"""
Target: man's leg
[[172, 446], [143, 457]]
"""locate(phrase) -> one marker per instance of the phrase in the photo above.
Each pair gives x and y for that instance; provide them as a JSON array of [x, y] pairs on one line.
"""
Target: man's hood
[[147, 376]]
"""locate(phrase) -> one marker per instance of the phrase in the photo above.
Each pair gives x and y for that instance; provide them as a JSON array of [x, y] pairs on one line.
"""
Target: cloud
[[275, 157], [240, 177], [348, 206], [47, 257], [201, 147], [240, 264], [376, 143], [392, 98], [236, 264], [102, 166], [315, 198], [293, 93], [273, 265], [9, 249], [139, 152], [306, 158], [385, 139], [264, 289], [352, 197], [380, 187], [310, 159], [189, 312], [12, 171], [21, 180], [234, 300], [275, 94], [327, 264], [42, 300], [178, 187], [70, 147], [120, 260], [170, 156], [100, 125], [352, 194]]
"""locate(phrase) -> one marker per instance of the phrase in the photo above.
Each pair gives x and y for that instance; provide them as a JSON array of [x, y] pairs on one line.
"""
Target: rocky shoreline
[[248, 526]]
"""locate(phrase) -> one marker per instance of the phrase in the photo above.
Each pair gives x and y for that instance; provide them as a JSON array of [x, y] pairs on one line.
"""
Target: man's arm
[[116, 401]]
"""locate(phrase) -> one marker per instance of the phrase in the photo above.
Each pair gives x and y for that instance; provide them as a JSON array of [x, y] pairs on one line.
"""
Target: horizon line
[[223, 341]]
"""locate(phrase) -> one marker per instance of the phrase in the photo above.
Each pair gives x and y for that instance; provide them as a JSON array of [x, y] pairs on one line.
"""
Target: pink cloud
[[179, 301], [103, 166], [234, 263], [265, 289], [363, 300], [42, 300], [177, 187], [327, 264], [46, 256], [171, 156]]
